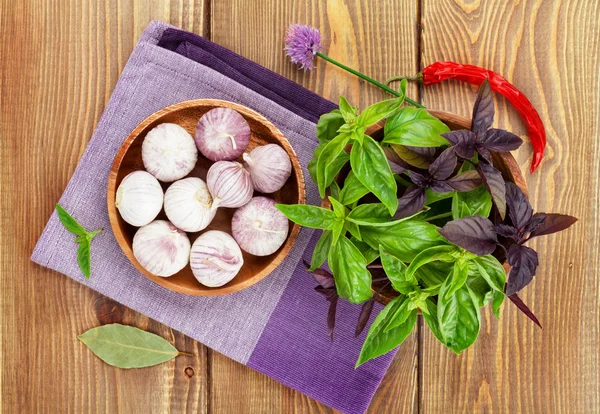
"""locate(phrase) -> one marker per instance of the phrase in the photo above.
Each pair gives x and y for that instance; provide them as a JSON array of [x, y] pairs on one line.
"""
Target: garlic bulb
[[222, 134], [229, 183], [169, 152], [215, 258], [161, 248], [259, 228], [188, 204], [139, 198], [269, 166]]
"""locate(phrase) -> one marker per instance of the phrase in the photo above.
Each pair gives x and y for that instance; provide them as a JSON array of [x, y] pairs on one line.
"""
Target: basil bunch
[[417, 203]]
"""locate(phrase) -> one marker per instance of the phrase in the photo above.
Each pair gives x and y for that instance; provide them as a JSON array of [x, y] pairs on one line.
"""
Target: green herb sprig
[[84, 238]]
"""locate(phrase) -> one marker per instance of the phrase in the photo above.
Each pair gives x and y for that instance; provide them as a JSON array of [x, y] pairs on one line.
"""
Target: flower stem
[[368, 79], [439, 216]]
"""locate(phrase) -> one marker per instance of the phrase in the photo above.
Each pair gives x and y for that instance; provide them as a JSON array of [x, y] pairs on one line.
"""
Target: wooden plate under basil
[[186, 114]]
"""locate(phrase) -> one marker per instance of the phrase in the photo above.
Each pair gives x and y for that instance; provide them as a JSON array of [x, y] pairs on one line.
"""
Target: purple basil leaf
[[524, 308], [519, 209], [411, 202], [493, 181], [466, 181], [534, 223], [463, 141], [419, 179], [507, 231], [331, 315], [329, 293], [484, 153], [475, 234], [552, 224], [397, 164], [524, 262], [365, 314], [322, 276], [444, 165], [440, 186], [483, 110], [500, 140]]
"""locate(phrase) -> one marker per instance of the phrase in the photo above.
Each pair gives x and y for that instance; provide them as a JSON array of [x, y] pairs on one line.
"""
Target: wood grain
[[378, 39], [60, 61], [551, 51], [51, 98]]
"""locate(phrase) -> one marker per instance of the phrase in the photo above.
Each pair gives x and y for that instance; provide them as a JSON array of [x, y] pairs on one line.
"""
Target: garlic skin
[[169, 152], [188, 204], [215, 258], [229, 184], [259, 228], [222, 134], [269, 166], [139, 198], [161, 248]]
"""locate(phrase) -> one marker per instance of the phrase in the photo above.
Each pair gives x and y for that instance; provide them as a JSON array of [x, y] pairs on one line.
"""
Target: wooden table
[[60, 60]]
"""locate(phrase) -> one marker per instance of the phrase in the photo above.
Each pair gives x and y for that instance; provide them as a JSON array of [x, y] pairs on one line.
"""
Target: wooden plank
[[550, 50], [60, 62], [380, 40]]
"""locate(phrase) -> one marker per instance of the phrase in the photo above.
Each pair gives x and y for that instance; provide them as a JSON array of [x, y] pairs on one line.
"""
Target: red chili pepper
[[441, 71]]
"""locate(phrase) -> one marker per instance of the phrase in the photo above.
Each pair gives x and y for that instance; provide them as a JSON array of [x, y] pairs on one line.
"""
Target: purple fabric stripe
[[295, 349], [271, 85]]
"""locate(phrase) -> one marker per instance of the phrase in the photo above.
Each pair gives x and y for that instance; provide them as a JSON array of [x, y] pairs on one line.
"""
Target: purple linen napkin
[[276, 326]]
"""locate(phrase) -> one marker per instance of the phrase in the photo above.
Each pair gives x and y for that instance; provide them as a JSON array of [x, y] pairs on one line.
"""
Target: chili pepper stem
[[368, 79]]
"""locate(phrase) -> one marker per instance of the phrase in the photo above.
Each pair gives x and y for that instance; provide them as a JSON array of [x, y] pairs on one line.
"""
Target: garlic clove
[[188, 204], [161, 248], [215, 258], [269, 166], [229, 184], [169, 152], [139, 198], [259, 228], [222, 134]]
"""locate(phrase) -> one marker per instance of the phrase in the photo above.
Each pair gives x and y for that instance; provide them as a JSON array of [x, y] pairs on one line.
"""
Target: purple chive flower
[[302, 42]]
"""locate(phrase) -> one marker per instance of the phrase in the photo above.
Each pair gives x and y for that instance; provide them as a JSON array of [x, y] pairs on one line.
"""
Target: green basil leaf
[[460, 273], [404, 240], [353, 229], [331, 160], [353, 190], [395, 269], [433, 197], [309, 216], [411, 157], [371, 167], [378, 342], [365, 214], [431, 320], [433, 274], [70, 224], [378, 111], [459, 317], [349, 268], [443, 253], [477, 202], [415, 127], [347, 111], [84, 257], [367, 251], [328, 125], [321, 250], [334, 189], [127, 347], [492, 271], [497, 301], [400, 316], [337, 231], [482, 292], [338, 209], [312, 164]]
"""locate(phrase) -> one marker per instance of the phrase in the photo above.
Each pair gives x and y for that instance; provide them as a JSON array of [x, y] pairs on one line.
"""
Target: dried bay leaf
[[127, 346]]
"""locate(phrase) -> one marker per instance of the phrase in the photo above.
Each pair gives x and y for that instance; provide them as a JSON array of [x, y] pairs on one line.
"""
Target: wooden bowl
[[503, 161], [186, 114]]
